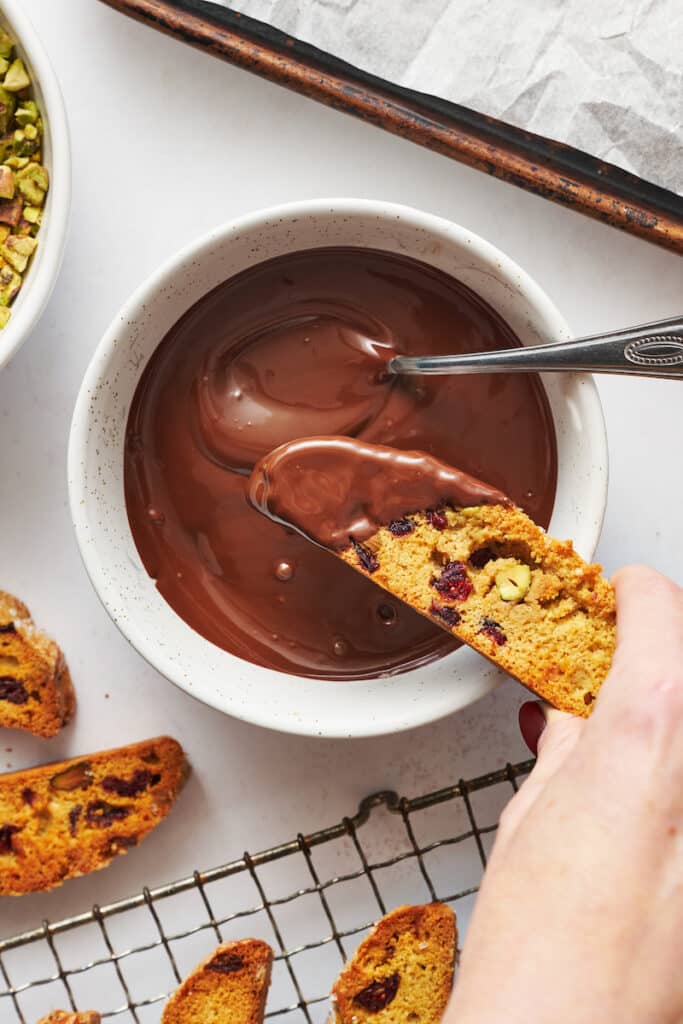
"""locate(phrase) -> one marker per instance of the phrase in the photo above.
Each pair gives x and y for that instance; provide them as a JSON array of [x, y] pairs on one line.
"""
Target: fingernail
[[531, 724]]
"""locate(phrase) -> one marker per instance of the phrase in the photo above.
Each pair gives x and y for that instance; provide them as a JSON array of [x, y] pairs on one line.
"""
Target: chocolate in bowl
[[291, 347]]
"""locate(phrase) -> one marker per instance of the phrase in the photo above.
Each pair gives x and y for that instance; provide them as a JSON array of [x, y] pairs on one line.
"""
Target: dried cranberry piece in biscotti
[[102, 814], [493, 629], [378, 994], [454, 584], [437, 519], [13, 690], [226, 963], [7, 832], [74, 816], [448, 615], [140, 780], [365, 557], [401, 527]]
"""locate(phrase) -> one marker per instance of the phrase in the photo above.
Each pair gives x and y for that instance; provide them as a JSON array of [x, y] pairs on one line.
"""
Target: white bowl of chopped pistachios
[[35, 178]]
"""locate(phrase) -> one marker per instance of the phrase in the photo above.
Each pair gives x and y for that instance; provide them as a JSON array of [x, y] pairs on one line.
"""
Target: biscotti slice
[[68, 1017], [35, 686], [457, 550], [494, 579], [68, 818], [402, 971], [230, 985]]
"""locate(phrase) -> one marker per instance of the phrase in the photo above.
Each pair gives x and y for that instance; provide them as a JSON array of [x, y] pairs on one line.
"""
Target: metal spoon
[[651, 350]]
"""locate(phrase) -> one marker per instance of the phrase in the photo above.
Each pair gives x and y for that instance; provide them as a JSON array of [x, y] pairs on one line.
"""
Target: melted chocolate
[[292, 347], [337, 489]]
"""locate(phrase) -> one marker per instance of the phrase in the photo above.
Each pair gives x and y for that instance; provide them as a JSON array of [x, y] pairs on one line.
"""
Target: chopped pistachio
[[6, 44], [8, 103], [10, 211], [33, 214], [17, 250], [10, 283], [22, 144], [17, 77], [27, 113], [6, 183], [32, 182], [23, 180], [513, 583]]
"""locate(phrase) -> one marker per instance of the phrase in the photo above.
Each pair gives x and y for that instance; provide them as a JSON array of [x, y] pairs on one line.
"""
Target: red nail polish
[[531, 724]]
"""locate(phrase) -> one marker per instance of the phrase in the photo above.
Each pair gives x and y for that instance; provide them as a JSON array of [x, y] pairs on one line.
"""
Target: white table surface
[[167, 143]]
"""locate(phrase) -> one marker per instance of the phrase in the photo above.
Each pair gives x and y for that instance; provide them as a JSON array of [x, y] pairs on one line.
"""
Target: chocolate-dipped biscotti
[[402, 971], [35, 686], [66, 819], [455, 549]]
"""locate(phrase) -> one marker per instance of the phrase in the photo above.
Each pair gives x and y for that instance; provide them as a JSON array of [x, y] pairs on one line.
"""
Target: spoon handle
[[651, 350]]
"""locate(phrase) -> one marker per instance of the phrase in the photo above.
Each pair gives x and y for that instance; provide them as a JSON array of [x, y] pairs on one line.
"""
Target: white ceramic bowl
[[259, 695], [44, 267]]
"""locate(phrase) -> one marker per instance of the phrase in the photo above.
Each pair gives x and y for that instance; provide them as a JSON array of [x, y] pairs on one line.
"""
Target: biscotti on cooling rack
[[231, 985], [68, 818], [35, 687], [402, 971], [68, 1017], [494, 579]]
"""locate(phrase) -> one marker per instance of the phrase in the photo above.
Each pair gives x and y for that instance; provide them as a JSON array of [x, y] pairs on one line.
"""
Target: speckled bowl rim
[[261, 696], [41, 277]]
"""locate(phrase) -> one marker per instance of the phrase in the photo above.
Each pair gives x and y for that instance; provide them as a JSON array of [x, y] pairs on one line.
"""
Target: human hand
[[580, 914]]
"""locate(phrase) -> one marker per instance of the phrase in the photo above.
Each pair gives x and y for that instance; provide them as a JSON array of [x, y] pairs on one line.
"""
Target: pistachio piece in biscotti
[[513, 582]]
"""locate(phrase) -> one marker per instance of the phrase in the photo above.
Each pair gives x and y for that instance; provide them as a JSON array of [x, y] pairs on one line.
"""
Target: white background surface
[[167, 143]]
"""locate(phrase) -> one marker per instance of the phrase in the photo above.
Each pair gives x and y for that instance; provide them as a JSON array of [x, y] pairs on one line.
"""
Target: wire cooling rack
[[312, 899]]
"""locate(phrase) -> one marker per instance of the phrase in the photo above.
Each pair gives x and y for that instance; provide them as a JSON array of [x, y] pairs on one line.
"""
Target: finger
[[649, 634], [555, 742]]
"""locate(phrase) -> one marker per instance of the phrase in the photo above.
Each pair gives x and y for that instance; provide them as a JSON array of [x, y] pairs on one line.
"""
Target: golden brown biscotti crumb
[[402, 971], [71, 817], [68, 1017], [35, 687], [230, 985], [497, 581]]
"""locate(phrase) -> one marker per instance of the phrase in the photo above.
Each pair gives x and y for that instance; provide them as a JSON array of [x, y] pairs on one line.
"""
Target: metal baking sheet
[[553, 169]]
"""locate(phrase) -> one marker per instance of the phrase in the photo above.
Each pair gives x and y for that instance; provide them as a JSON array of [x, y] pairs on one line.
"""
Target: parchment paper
[[605, 76]]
